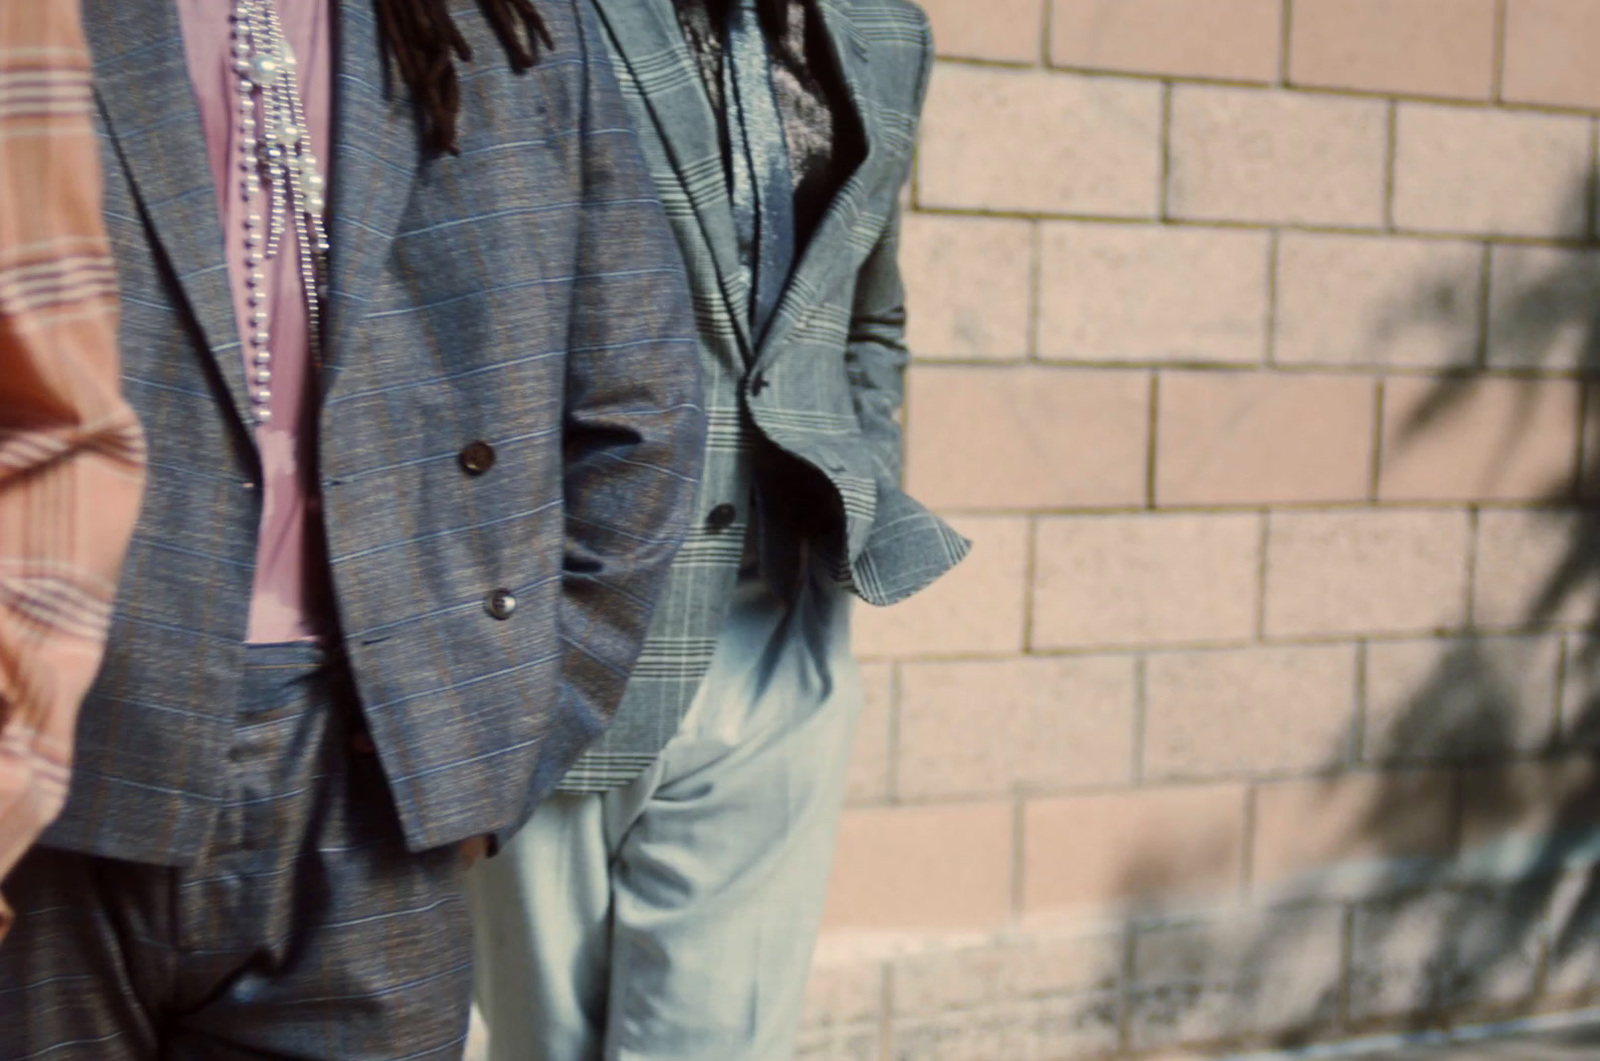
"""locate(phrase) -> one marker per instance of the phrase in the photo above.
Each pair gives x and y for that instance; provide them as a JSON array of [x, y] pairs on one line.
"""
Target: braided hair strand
[[425, 43]]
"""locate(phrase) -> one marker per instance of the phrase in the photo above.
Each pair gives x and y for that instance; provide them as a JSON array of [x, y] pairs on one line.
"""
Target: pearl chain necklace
[[276, 146]]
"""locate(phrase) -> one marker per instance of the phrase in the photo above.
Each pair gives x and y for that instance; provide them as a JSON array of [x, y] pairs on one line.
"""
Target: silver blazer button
[[500, 604]]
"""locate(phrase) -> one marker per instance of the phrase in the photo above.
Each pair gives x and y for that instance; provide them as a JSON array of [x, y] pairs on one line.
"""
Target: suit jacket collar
[[650, 41], [647, 34], [823, 251], [147, 101]]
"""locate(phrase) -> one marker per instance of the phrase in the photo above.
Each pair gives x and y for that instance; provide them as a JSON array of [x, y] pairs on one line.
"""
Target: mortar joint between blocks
[[1285, 42], [1498, 72]]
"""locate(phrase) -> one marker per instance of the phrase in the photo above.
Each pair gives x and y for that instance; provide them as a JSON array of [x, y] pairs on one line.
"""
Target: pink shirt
[[292, 597]]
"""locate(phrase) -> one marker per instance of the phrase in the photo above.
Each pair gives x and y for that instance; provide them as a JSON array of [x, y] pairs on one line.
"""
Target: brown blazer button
[[476, 458], [500, 604], [721, 517]]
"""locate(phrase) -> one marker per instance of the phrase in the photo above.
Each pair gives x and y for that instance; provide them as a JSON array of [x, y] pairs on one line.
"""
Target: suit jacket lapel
[[377, 152], [147, 100], [647, 35], [823, 251]]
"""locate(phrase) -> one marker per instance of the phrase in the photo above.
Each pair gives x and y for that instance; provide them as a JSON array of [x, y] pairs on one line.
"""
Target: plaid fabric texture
[[71, 456], [304, 930], [526, 293], [807, 421]]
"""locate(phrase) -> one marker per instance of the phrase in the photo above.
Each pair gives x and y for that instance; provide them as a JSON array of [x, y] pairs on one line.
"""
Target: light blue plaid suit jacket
[[808, 418], [527, 293]]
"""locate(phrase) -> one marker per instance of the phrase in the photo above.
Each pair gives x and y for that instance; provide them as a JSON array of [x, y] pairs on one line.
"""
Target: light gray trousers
[[674, 919]]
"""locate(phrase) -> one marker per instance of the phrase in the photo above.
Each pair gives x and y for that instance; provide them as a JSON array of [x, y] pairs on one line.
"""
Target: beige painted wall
[[1251, 342]]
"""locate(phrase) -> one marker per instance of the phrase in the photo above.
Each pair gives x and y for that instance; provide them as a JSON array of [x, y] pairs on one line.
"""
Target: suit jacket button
[[758, 383], [476, 458], [721, 517], [500, 604]]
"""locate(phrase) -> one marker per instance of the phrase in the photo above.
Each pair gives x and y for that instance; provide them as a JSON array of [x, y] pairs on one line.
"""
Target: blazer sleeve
[[876, 357], [634, 428]]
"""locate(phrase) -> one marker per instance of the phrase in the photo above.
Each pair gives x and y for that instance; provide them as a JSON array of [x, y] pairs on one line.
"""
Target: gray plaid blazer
[[527, 294], [808, 419]]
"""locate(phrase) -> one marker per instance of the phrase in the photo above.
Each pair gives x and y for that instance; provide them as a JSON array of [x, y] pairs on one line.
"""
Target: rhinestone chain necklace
[[274, 147]]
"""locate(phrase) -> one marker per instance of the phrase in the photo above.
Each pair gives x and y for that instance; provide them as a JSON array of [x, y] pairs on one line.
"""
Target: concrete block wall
[[1254, 345]]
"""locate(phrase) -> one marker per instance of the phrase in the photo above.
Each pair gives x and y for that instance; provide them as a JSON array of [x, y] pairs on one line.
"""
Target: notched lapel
[[143, 88], [377, 152], [822, 255], [647, 34]]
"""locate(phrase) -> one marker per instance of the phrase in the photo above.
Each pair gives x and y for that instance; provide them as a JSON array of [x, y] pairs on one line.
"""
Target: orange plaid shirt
[[71, 454]]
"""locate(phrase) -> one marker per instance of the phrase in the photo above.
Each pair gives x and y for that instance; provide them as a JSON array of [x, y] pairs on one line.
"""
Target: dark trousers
[[305, 930]]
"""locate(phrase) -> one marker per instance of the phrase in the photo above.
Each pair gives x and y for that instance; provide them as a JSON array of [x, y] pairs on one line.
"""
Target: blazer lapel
[[647, 35], [823, 254], [147, 100]]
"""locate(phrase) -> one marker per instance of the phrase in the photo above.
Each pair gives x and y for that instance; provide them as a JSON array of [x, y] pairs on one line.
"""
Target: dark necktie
[[763, 189]]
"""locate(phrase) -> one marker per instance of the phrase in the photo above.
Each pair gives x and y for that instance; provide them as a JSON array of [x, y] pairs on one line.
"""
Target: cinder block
[[1249, 155], [1226, 947], [1236, 977], [1086, 1026], [1377, 301], [1406, 47], [1007, 31], [931, 867], [968, 287], [1232, 40], [1078, 1027], [1146, 293], [1580, 691], [979, 608], [1248, 711], [1136, 580], [1353, 834], [1548, 56], [1025, 437], [869, 761], [841, 994], [1040, 142], [1455, 439], [1084, 854], [1491, 172], [1390, 572], [984, 729], [1034, 965], [1528, 818], [1459, 698], [958, 1037], [1263, 438], [1572, 924], [855, 1042], [1440, 949], [1589, 442], [1534, 568], [1541, 309]]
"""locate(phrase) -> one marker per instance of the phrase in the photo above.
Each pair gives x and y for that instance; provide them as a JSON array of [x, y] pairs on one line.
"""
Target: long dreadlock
[[425, 42]]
